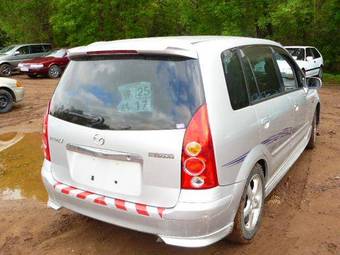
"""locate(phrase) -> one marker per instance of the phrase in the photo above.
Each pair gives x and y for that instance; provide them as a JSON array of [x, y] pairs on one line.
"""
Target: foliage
[[331, 79], [3, 39], [71, 23]]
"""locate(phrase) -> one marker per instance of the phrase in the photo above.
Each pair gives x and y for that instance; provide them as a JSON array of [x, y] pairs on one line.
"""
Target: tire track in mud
[[6, 144]]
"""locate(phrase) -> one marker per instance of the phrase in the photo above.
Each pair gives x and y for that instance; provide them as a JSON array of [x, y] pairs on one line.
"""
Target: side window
[[47, 47], [24, 50], [235, 80], [287, 72], [37, 49], [262, 65], [315, 53], [309, 53]]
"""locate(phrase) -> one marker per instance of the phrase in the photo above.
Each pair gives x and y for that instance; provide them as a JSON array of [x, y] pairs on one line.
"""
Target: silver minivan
[[181, 137]]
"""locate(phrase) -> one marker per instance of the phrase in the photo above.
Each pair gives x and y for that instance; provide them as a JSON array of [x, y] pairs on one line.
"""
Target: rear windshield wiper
[[89, 117]]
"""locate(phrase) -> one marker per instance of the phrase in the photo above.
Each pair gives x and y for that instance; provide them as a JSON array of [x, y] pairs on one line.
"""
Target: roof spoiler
[[171, 51]]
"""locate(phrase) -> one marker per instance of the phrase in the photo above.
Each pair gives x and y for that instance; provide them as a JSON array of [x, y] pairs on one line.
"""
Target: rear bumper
[[200, 218]]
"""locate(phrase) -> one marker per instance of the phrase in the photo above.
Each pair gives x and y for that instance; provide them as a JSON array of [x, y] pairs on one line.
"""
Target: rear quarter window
[[235, 80]]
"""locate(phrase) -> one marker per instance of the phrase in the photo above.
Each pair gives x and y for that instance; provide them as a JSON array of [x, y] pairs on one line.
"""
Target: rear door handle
[[296, 107], [265, 122]]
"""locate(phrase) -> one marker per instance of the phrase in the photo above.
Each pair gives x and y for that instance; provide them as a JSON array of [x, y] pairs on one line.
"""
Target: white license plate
[[24, 69], [106, 175]]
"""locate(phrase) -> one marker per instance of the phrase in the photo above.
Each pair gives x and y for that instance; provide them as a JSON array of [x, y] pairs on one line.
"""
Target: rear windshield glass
[[7, 49], [129, 93]]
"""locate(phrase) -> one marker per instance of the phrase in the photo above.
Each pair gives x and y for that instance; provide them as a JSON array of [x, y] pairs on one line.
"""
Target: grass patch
[[332, 79]]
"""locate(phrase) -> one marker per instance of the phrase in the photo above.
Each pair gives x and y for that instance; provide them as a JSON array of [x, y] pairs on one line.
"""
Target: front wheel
[[6, 101], [320, 75], [249, 214], [54, 72], [312, 139]]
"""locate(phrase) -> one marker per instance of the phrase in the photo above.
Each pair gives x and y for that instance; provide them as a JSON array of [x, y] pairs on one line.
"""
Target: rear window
[[129, 92]]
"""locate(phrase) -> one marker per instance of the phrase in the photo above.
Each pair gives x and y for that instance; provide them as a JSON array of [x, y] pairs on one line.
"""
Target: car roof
[[299, 46], [177, 45], [30, 44]]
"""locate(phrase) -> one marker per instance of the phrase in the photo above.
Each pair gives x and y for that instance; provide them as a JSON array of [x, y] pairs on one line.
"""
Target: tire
[[312, 139], [245, 230], [6, 101], [5, 70], [54, 72], [320, 75], [32, 75]]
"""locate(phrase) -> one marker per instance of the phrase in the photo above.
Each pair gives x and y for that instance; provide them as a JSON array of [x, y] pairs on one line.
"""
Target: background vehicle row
[[12, 55]]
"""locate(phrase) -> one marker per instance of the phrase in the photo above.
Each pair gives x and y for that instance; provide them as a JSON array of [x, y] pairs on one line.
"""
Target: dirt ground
[[302, 215]]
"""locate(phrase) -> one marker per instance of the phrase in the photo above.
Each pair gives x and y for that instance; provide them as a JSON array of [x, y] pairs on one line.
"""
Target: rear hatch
[[117, 123]]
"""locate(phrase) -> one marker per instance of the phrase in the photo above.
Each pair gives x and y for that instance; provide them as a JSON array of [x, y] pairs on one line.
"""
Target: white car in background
[[11, 91], [308, 58]]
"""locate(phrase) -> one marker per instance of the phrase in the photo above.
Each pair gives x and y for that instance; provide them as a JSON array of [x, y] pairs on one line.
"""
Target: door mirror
[[314, 83], [17, 53], [309, 58]]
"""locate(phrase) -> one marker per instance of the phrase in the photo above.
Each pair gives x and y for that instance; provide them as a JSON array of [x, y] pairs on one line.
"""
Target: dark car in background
[[12, 55], [52, 64]]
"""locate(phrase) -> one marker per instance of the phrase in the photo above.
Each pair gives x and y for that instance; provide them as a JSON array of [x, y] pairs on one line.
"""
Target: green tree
[[26, 21], [68, 23]]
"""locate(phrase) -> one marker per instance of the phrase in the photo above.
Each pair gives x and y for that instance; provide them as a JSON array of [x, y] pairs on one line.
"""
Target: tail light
[[46, 146], [198, 159]]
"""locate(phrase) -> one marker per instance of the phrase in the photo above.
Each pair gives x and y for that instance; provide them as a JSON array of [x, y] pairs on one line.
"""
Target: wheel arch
[[5, 63], [317, 110], [258, 155], [52, 64]]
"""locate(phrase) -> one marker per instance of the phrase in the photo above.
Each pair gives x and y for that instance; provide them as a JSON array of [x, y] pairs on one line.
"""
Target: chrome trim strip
[[122, 156]]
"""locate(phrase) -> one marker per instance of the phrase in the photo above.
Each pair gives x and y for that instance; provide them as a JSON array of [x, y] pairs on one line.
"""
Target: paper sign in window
[[136, 97]]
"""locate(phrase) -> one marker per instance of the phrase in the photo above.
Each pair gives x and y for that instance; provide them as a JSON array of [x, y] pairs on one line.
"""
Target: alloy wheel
[[4, 100], [254, 203], [6, 70]]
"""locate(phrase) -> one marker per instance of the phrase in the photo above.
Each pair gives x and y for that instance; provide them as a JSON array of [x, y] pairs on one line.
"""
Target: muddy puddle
[[20, 164]]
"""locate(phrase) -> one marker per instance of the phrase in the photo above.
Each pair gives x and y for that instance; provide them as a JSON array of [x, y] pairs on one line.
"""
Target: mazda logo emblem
[[98, 139]]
